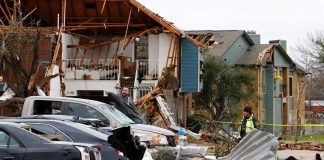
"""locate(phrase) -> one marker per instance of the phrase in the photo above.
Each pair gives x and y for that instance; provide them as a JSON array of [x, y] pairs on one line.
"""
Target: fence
[[88, 69], [148, 69]]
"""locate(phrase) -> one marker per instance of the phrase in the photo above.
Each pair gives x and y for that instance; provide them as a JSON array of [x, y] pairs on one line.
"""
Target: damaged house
[[279, 81], [101, 45]]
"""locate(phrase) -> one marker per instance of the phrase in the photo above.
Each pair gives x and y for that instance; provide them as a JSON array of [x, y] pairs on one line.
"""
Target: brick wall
[[44, 55]]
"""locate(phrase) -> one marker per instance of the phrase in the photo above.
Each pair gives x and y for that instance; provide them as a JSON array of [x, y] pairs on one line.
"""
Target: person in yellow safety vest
[[248, 122]]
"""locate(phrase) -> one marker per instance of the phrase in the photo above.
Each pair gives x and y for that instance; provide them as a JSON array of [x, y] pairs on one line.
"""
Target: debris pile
[[301, 146]]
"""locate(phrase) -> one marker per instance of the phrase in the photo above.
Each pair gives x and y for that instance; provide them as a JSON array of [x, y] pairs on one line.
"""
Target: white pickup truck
[[108, 114]]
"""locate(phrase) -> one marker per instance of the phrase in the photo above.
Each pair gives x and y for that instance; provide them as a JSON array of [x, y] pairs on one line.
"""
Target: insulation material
[[7, 95]]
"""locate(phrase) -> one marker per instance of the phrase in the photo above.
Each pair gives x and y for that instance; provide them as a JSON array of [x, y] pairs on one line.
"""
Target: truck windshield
[[116, 114]]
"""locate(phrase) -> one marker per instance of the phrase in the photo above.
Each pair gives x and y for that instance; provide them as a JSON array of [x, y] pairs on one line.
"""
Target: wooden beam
[[105, 25], [86, 22], [155, 17], [4, 12], [164, 23], [129, 17], [112, 41], [170, 46], [6, 5], [15, 9]]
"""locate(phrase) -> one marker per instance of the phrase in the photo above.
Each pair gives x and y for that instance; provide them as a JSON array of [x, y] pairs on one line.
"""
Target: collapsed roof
[[93, 18]]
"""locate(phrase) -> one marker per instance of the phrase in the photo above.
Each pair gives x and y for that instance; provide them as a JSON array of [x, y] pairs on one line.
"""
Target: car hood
[[144, 129]]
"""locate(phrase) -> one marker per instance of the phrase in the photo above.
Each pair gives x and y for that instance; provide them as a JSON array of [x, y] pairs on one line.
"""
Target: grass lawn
[[307, 138]]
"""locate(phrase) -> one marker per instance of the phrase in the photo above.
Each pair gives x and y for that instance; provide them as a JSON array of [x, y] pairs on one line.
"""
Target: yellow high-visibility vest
[[249, 124]]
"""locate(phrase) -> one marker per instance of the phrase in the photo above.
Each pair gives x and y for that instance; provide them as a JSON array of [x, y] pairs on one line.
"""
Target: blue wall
[[236, 50], [277, 115], [268, 98], [279, 59], [189, 66]]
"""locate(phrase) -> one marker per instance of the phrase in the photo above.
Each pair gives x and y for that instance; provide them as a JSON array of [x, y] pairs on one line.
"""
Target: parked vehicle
[[67, 131], [107, 114], [20, 144]]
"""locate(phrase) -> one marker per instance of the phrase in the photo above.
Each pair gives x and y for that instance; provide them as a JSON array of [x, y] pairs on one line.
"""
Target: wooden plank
[[56, 52], [168, 57], [4, 12], [103, 6], [174, 53], [164, 23], [8, 10], [128, 21], [15, 9]]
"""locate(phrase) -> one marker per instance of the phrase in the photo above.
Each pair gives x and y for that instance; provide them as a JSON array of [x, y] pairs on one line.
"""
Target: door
[[10, 149]]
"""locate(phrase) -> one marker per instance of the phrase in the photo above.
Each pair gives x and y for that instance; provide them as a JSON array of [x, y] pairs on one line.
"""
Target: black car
[[17, 143], [60, 130]]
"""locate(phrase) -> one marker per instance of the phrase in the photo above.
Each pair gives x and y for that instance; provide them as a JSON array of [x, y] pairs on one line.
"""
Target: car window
[[47, 107], [84, 111], [48, 132], [113, 112], [6, 141]]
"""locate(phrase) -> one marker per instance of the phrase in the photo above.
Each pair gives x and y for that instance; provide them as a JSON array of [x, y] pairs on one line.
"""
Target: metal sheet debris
[[254, 146]]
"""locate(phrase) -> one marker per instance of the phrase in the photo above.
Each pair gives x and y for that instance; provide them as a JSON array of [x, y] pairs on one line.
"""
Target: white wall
[[68, 39], [55, 84], [164, 44], [73, 85], [153, 49]]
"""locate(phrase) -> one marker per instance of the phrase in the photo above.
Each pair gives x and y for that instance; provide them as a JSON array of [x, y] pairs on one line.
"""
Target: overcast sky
[[273, 19]]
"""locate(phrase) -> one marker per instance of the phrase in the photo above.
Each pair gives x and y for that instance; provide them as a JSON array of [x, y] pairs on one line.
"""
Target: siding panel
[[277, 116], [268, 98], [236, 50], [279, 59], [189, 66]]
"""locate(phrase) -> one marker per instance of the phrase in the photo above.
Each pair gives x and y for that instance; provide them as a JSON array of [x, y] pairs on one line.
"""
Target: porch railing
[[147, 69], [88, 69]]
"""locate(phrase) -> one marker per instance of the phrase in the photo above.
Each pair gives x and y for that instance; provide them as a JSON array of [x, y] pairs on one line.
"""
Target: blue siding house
[[274, 70]]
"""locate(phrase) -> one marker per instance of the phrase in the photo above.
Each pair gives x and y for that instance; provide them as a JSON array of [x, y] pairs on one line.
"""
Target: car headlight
[[85, 152]]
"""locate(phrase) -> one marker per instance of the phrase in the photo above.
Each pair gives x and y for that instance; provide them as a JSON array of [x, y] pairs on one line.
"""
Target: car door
[[10, 149]]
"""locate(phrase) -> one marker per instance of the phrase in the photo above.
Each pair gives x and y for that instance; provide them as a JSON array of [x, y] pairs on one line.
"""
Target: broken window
[[141, 48], [48, 132]]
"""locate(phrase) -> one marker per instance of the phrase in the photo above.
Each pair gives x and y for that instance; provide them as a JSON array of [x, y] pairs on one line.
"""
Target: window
[[278, 88], [6, 141], [85, 111], [47, 107], [48, 132], [141, 48], [291, 86]]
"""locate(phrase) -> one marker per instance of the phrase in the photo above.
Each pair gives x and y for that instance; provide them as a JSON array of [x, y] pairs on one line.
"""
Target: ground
[[299, 154], [307, 138]]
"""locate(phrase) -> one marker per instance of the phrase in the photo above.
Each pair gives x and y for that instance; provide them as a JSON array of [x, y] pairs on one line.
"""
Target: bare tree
[[19, 54], [311, 58]]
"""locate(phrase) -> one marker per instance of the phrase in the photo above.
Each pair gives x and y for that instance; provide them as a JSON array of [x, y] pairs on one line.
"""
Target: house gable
[[238, 48], [279, 59]]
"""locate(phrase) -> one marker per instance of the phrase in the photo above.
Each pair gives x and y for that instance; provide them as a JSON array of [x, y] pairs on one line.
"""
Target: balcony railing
[[88, 69], [147, 69]]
